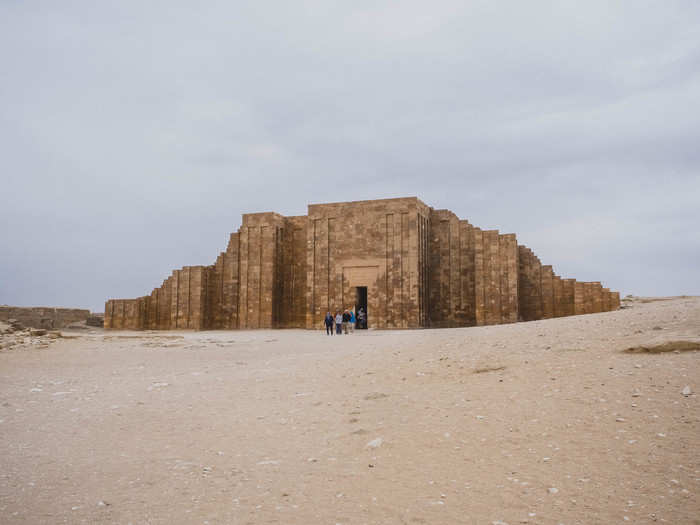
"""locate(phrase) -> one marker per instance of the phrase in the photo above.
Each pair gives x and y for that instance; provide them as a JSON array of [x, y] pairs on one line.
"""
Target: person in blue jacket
[[329, 323]]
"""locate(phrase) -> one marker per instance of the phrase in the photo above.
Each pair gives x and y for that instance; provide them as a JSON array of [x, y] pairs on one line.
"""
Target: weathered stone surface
[[43, 317], [95, 320], [420, 267]]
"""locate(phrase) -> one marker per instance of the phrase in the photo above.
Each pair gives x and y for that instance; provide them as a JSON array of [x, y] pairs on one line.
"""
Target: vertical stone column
[[215, 281], [410, 316], [165, 305], [108, 314], [524, 285], [557, 296], [568, 293], [597, 297], [294, 271], [144, 304], [606, 300], [266, 275], [184, 290], [117, 314], [588, 297], [259, 269], [492, 292], [615, 300], [197, 296], [530, 285], [479, 278], [335, 268], [547, 292], [391, 287], [437, 240], [152, 312], [579, 298], [131, 314], [174, 299], [424, 269], [444, 270], [122, 315], [231, 272], [250, 275], [508, 260], [318, 272], [245, 309], [453, 243], [466, 314]]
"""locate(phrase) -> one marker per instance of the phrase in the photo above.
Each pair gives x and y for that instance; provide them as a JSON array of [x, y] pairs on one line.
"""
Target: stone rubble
[[14, 336]]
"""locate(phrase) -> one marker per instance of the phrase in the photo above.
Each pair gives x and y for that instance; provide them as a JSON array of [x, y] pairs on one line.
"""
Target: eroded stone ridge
[[420, 267]]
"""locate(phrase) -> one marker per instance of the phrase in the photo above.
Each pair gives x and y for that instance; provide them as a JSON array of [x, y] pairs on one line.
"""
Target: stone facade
[[409, 265], [43, 316]]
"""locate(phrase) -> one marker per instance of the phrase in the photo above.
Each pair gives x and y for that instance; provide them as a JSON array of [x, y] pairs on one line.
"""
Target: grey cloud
[[572, 125]]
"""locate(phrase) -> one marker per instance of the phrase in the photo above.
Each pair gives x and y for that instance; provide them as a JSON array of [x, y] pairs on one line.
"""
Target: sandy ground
[[541, 422]]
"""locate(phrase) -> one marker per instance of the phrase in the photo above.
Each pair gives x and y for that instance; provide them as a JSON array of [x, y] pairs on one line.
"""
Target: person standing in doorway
[[338, 323], [328, 321], [362, 318]]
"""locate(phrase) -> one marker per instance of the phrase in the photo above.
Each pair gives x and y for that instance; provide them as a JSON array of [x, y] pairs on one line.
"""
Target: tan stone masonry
[[43, 316], [421, 268]]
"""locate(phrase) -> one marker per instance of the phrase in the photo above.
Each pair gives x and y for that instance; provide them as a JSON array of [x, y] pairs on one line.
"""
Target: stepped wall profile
[[406, 264]]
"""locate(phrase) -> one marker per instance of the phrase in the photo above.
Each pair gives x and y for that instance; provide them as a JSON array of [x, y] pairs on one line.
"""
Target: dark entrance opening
[[361, 307]]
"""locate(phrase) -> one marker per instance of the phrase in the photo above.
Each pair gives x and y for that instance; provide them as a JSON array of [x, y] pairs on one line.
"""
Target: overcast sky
[[134, 134]]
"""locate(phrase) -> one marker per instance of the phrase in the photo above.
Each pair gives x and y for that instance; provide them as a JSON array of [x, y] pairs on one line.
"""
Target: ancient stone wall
[[293, 273], [421, 267], [473, 273], [530, 285], [259, 250], [372, 244], [42, 316], [565, 302], [544, 295]]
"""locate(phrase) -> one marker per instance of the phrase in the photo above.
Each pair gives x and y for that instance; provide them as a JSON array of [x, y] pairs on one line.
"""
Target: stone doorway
[[361, 304]]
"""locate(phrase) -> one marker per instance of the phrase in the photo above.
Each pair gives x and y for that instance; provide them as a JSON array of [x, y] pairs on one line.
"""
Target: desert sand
[[544, 422]]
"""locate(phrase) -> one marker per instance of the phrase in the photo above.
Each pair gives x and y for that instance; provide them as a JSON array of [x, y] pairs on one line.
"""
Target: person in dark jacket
[[329, 323], [346, 321]]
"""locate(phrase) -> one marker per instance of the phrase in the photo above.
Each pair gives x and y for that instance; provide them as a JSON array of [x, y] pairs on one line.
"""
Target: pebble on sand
[[375, 443]]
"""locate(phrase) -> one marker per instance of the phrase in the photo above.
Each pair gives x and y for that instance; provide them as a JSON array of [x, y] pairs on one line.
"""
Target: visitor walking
[[338, 323], [352, 321], [346, 321], [329, 323]]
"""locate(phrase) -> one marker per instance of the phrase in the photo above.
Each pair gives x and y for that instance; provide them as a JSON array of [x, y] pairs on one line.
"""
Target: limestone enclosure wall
[[419, 267], [370, 244], [42, 316], [473, 273]]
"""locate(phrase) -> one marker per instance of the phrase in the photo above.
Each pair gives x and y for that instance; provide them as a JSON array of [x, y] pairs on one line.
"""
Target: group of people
[[344, 322]]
